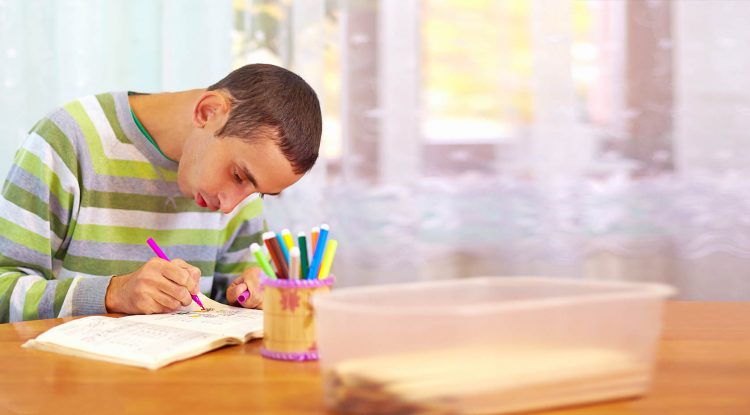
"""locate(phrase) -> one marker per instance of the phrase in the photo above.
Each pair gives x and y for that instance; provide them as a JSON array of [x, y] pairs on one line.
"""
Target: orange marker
[[314, 239]]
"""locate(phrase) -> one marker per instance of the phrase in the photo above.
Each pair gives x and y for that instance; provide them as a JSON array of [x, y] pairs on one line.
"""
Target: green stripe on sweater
[[33, 296], [234, 268], [25, 237], [33, 204], [249, 211], [59, 142], [121, 267], [110, 111], [7, 283], [128, 235], [243, 242]]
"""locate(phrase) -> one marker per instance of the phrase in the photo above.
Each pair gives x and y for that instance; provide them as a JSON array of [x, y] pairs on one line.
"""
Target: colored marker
[[325, 267], [288, 239], [320, 247], [267, 237], [284, 249], [274, 249], [262, 260], [267, 253], [243, 297], [314, 240], [294, 263], [302, 242], [154, 247]]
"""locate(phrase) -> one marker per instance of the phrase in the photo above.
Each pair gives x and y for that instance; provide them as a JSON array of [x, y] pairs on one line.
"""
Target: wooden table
[[703, 368]]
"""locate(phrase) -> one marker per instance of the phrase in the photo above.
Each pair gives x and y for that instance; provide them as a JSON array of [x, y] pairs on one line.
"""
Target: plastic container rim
[[627, 291]]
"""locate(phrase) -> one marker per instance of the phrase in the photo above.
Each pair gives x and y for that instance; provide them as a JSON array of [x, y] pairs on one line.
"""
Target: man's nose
[[227, 202]]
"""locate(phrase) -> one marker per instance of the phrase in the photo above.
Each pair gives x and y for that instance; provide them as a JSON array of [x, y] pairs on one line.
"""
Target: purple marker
[[152, 243], [243, 297]]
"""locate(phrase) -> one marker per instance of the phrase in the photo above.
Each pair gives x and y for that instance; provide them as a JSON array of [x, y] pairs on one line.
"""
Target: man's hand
[[158, 286], [250, 281]]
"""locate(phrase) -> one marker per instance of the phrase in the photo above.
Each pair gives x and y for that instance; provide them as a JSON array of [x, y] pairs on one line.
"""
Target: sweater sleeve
[[38, 208], [246, 227]]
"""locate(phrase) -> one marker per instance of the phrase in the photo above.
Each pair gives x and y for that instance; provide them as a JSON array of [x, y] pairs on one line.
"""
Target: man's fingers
[[194, 273], [255, 301], [193, 270], [167, 302], [251, 277], [174, 291], [178, 275], [234, 293]]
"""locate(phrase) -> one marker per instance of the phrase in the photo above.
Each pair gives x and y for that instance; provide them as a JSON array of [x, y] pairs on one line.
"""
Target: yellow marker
[[288, 239], [325, 266]]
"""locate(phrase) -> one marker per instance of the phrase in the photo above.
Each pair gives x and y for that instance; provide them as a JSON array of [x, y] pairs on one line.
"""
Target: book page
[[238, 323], [122, 341]]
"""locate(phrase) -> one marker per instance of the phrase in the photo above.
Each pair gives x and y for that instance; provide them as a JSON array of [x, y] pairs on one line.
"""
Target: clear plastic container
[[487, 344]]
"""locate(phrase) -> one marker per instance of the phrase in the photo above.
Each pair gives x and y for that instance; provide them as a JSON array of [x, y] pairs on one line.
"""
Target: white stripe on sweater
[[152, 220], [113, 148], [36, 145], [67, 306]]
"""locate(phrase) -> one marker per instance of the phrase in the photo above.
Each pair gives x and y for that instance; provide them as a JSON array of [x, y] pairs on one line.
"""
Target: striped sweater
[[85, 191]]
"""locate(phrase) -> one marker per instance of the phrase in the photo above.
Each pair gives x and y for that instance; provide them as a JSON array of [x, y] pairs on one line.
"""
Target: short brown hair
[[267, 96]]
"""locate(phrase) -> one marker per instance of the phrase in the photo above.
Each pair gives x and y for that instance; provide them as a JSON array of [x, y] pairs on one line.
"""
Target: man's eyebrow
[[255, 184], [250, 176]]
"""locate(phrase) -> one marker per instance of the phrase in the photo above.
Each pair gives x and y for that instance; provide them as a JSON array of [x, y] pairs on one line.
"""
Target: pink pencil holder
[[288, 318]]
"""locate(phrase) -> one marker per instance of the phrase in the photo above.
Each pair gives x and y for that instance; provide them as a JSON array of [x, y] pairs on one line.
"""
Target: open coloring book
[[155, 340]]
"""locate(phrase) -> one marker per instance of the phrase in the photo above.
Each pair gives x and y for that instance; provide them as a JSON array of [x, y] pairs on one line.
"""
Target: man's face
[[218, 173]]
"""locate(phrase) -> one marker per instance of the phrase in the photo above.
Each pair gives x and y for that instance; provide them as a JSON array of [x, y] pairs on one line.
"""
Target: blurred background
[[599, 139]]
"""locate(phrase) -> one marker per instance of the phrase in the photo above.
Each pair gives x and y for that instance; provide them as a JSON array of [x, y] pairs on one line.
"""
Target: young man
[[99, 176]]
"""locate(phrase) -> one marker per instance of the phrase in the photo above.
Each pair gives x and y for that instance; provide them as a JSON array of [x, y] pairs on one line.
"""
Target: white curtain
[[642, 176], [54, 51], [619, 147]]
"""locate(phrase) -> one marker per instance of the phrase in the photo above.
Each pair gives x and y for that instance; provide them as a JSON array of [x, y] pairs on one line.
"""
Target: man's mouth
[[200, 200]]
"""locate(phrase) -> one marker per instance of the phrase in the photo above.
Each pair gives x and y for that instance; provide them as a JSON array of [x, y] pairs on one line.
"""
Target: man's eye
[[236, 177]]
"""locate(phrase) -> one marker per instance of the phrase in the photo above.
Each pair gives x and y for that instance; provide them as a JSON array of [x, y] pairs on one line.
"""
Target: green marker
[[262, 261], [302, 242]]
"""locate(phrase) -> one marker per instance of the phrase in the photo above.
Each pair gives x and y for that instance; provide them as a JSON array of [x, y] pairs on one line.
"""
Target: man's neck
[[168, 118]]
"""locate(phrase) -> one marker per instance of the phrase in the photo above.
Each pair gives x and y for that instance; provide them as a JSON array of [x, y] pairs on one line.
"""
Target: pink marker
[[243, 297], [152, 243]]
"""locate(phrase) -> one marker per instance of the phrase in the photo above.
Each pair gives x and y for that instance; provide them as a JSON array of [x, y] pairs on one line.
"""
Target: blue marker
[[284, 249], [320, 248]]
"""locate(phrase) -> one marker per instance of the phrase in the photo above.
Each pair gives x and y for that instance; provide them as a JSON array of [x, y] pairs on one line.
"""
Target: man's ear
[[212, 107]]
